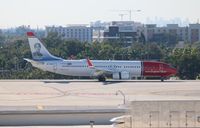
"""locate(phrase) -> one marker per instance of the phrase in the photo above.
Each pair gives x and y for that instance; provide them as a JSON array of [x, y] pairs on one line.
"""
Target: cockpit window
[[171, 66]]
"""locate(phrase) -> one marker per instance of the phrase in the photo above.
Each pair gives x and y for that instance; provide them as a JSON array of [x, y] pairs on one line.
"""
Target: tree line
[[12, 65]]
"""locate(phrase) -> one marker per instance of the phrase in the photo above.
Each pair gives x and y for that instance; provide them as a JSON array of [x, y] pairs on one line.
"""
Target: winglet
[[89, 63], [30, 34]]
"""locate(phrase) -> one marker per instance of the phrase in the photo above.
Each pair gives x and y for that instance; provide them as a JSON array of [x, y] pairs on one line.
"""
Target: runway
[[92, 93]]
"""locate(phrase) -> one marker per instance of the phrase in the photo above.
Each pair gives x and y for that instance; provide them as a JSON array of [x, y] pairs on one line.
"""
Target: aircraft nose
[[174, 71]]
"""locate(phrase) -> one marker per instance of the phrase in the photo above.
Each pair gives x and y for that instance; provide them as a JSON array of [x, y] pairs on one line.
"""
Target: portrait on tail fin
[[37, 54]]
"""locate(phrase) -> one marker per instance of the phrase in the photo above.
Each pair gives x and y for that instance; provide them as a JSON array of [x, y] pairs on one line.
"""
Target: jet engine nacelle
[[121, 75]]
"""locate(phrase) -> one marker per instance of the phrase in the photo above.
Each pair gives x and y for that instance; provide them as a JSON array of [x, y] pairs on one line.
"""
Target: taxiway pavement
[[41, 93]]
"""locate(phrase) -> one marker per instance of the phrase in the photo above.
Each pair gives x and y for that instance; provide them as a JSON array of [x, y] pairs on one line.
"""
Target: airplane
[[120, 70]]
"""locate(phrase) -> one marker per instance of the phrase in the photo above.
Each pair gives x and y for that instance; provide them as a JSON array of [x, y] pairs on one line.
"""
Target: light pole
[[2, 64], [117, 93], [91, 124]]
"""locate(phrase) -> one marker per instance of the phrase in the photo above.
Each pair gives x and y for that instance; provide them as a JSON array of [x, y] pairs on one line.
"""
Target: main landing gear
[[101, 78]]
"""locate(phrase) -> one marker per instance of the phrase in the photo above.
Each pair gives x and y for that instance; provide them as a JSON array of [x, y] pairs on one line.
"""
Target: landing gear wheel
[[162, 79], [102, 79]]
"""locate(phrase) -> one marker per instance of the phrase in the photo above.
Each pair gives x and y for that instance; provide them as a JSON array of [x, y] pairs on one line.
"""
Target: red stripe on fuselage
[[157, 69]]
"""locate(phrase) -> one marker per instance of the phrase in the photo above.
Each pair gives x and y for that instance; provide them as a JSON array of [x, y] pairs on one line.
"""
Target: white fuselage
[[80, 67], [120, 70]]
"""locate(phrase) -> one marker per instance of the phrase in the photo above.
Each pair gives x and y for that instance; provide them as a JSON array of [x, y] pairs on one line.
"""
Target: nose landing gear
[[162, 79]]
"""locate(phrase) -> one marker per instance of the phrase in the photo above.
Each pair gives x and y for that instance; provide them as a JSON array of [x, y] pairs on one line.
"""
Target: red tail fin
[[30, 34]]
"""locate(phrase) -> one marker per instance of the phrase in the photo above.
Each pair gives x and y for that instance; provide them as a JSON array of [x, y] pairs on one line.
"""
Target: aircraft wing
[[98, 71]]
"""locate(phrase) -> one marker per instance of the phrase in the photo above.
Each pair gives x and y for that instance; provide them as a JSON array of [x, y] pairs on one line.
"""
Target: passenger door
[[54, 67], [161, 67]]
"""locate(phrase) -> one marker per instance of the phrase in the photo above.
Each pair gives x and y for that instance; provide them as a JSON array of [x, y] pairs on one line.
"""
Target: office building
[[189, 33], [81, 33], [123, 31]]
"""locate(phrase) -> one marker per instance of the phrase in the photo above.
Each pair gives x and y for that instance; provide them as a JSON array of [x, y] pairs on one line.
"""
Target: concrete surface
[[80, 95], [41, 93], [80, 126], [164, 114]]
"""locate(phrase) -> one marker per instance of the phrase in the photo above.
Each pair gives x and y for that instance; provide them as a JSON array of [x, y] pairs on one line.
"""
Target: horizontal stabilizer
[[33, 61]]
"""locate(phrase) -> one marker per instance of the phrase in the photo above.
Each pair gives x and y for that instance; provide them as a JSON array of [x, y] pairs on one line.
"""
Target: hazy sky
[[61, 12]]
